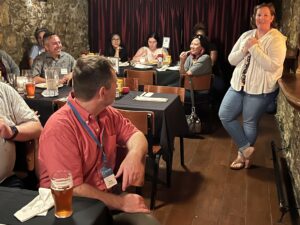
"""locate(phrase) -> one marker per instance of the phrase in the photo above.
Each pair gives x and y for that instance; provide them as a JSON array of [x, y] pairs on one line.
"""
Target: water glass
[[11, 77], [62, 192], [20, 83], [52, 81], [26, 73]]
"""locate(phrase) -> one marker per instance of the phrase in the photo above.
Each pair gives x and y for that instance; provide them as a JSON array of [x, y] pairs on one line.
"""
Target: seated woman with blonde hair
[[150, 53]]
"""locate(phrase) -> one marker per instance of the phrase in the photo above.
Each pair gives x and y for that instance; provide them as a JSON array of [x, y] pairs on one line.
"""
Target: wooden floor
[[207, 192]]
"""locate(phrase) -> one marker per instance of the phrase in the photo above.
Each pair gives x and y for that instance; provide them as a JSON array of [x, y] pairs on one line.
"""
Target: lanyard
[[90, 132]]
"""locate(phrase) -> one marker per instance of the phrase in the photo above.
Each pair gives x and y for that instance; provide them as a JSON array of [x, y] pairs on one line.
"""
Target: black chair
[[180, 91]]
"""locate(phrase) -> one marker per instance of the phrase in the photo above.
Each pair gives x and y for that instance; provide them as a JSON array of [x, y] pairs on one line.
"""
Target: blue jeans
[[251, 107]]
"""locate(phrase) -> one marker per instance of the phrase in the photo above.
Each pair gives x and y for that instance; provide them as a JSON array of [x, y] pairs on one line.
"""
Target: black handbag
[[193, 121]]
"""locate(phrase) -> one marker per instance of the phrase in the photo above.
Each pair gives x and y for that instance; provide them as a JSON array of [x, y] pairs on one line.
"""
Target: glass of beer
[[30, 87], [62, 192]]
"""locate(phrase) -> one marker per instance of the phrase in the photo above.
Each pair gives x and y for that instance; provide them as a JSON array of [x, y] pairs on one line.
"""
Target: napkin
[[39, 206], [46, 93], [150, 99], [123, 64], [163, 68], [173, 68], [142, 66]]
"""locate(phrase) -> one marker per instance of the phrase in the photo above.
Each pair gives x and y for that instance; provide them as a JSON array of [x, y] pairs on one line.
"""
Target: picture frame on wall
[[115, 63]]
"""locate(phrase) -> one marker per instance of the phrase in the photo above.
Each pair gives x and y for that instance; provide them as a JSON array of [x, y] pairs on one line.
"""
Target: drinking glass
[[62, 192], [20, 83], [120, 84], [30, 87], [26, 73], [52, 81], [11, 77]]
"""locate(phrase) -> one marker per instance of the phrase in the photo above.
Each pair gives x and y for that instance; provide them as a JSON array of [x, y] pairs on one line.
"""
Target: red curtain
[[135, 19]]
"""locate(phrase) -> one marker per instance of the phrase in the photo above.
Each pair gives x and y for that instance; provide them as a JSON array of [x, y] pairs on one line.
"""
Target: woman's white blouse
[[266, 64]]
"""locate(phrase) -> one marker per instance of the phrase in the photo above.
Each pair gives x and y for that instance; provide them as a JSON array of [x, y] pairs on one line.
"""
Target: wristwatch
[[14, 131]]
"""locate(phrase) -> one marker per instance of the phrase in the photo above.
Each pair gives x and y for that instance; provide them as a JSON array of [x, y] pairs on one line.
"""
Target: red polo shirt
[[66, 145]]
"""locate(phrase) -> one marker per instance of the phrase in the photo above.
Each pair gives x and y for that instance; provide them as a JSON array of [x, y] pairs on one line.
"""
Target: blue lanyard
[[90, 132]]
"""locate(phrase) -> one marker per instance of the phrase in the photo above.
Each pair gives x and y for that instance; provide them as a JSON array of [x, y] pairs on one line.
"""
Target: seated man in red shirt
[[82, 137]]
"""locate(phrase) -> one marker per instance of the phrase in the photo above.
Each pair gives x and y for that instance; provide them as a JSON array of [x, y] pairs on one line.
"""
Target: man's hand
[[130, 203], [66, 78], [133, 170], [5, 131], [133, 203]]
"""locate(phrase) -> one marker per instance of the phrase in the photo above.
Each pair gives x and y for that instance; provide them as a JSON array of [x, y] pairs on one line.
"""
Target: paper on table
[[46, 93], [163, 68], [142, 66], [150, 99], [37, 207], [173, 68], [123, 64]]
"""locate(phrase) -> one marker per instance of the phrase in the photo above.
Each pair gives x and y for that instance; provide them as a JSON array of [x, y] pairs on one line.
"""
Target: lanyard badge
[[108, 177], [107, 173]]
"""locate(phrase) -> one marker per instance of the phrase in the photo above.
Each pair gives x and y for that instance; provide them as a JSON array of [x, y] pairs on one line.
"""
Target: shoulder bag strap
[[192, 92]]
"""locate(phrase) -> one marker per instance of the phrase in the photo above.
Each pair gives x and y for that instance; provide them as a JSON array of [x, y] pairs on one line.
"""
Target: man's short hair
[[90, 74], [47, 36]]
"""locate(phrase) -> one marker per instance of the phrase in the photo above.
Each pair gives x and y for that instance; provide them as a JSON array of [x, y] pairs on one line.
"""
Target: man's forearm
[[38, 79], [137, 144], [109, 199], [29, 130]]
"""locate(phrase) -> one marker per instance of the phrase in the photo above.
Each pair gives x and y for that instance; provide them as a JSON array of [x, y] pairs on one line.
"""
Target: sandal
[[238, 163], [247, 154]]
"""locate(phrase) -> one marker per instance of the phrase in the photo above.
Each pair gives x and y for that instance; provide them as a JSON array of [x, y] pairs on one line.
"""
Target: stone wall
[[291, 21], [289, 123], [20, 18], [288, 117]]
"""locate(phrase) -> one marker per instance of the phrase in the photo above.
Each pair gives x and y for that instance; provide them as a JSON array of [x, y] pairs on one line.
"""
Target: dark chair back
[[144, 76], [144, 121], [166, 89], [200, 82]]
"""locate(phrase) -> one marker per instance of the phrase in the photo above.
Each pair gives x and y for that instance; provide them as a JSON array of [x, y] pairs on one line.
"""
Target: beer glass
[[62, 192], [52, 81], [120, 84], [30, 87]]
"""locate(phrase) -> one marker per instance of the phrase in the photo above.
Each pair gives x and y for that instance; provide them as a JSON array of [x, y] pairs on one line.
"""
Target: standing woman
[[116, 49], [258, 56]]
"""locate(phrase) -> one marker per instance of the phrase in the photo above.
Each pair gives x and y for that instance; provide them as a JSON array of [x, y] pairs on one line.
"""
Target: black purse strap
[[192, 93]]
